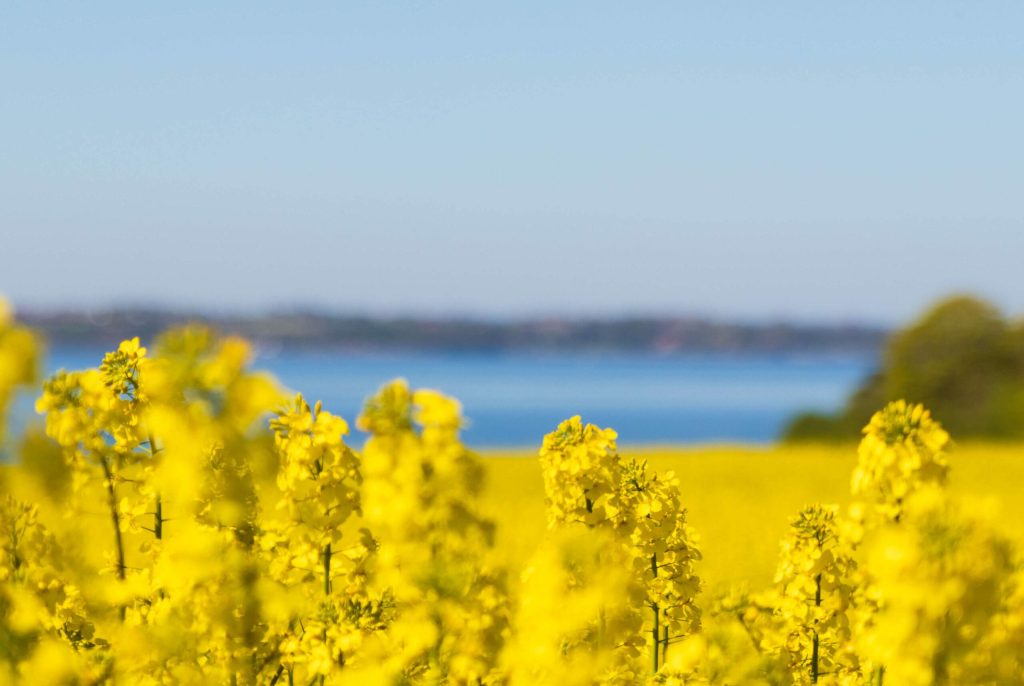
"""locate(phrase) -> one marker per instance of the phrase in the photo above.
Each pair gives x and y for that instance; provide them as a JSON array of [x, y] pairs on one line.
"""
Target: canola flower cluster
[[19, 353], [217, 532]]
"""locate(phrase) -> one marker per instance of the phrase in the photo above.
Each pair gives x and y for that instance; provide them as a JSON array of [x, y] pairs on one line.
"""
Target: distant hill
[[963, 360], [298, 330]]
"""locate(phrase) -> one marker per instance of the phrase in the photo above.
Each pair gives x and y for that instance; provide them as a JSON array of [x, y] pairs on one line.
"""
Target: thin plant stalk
[[655, 630]]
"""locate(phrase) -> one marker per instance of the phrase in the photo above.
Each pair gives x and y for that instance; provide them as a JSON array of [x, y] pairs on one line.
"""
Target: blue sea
[[512, 400]]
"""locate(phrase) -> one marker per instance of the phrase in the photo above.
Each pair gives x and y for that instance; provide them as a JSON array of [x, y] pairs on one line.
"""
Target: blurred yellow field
[[740, 499], [179, 520]]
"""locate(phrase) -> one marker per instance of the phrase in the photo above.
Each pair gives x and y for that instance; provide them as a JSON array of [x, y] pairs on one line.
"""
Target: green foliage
[[962, 359]]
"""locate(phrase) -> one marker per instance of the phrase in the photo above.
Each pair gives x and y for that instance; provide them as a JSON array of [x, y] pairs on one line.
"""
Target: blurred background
[[734, 222]]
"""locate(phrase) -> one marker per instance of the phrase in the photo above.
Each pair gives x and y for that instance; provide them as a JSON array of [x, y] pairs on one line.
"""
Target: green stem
[[327, 590], [114, 516], [814, 646], [655, 630], [327, 569], [158, 525], [655, 636], [158, 515]]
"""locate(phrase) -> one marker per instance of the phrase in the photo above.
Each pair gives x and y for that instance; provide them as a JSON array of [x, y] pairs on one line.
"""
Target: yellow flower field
[[181, 519], [740, 498]]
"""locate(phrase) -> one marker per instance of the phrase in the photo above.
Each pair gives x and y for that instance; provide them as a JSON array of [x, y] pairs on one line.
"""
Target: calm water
[[514, 399]]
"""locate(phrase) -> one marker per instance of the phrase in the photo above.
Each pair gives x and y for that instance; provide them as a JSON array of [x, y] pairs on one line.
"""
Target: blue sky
[[741, 160]]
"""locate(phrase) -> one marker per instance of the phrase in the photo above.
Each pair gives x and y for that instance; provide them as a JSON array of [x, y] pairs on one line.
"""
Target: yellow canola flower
[[577, 605], [903, 448], [419, 491], [121, 368], [42, 616], [722, 654], [816, 592], [939, 579], [54, 663], [587, 483], [582, 473], [322, 627], [19, 360]]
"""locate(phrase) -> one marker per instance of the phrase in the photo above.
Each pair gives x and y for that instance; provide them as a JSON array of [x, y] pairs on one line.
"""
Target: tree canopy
[[963, 359]]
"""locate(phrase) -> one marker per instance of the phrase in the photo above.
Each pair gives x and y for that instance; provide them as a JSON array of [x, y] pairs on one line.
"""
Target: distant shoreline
[[316, 331]]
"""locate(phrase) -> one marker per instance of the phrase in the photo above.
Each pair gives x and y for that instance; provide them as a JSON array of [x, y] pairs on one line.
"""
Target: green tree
[[962, 359]]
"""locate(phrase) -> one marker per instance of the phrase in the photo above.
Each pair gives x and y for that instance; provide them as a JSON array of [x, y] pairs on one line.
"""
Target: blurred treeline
[[963, 359], [304, 330]]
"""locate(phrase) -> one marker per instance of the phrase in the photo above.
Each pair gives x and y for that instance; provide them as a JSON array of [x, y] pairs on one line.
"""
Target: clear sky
[[836, 161]]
